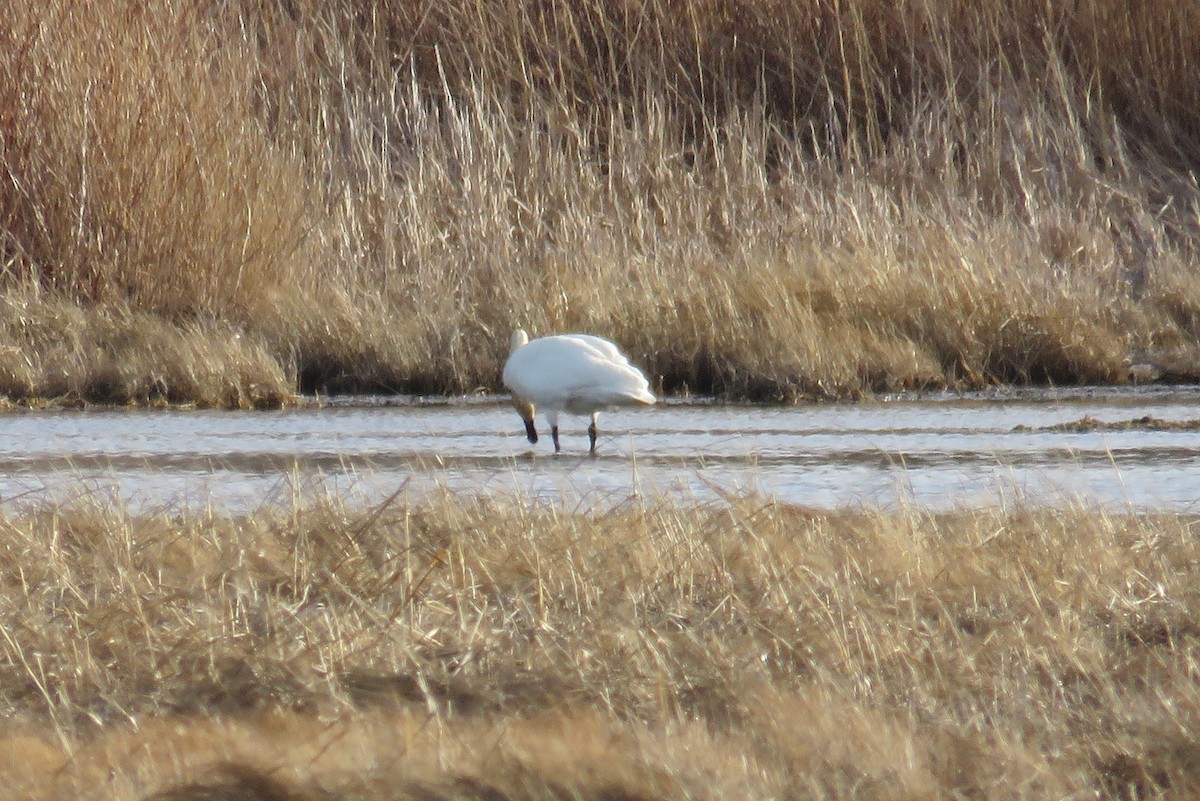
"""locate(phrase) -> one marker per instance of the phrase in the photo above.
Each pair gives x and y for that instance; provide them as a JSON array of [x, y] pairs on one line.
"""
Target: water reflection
[[935, 451]]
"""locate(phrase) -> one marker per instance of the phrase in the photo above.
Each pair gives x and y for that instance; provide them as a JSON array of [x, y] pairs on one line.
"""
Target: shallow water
[[933, 451]]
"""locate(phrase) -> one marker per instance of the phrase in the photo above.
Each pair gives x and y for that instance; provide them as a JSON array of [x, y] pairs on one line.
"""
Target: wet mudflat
[[1120, 449]]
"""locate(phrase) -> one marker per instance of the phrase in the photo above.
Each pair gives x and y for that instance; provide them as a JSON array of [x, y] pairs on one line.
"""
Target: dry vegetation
[[219, 203], [448, 649], [759, 199]]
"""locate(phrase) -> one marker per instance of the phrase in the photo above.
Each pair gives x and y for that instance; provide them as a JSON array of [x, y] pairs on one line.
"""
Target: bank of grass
[[757, 199], [451, 648]]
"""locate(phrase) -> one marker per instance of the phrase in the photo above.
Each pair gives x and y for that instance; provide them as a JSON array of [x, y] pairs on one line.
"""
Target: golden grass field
[[224, 203], [455, 649]]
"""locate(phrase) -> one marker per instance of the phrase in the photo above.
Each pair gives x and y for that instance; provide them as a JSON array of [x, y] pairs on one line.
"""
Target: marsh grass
[[54, 348], [764, 200], [454, 648]]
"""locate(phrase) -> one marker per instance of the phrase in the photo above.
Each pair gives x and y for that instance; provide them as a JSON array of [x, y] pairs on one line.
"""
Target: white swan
[[576, 373]]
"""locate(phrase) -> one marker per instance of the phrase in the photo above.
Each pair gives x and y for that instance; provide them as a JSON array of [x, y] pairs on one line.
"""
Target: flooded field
[[933, 451]]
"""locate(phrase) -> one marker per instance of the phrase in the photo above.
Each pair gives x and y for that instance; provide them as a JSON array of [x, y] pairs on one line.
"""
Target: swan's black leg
[[592, 435], [531, 431], [554, 436]]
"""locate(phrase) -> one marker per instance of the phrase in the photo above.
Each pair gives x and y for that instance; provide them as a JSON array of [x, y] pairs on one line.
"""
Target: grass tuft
[[451, 648]]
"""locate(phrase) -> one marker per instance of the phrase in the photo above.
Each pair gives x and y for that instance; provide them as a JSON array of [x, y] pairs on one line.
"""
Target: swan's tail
[[644, 397]]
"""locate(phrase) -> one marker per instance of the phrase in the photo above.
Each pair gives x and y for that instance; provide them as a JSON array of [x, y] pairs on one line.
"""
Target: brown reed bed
[[757, 199], [461, 649]]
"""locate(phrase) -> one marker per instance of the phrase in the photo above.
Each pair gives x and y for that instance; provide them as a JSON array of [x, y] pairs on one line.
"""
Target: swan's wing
[[626, 382], [604, 382], [566, 369], [604, 347]]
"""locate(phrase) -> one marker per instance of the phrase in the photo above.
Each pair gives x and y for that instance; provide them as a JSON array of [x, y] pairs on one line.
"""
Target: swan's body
[[575, 373]]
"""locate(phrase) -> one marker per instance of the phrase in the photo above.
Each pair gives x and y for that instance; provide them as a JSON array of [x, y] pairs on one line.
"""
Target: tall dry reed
[[757, 199]]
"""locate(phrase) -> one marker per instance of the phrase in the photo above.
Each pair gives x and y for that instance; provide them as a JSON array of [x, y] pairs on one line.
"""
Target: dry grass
[[54, 348], [760, 199], [462, 649]]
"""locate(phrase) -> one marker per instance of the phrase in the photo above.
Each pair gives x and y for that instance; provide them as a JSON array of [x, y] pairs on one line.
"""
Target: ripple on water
[[1136, 447]]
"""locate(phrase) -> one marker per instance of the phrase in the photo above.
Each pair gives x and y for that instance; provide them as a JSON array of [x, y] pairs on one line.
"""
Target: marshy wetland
[[1133, 449], [921, 596], [942, 581]]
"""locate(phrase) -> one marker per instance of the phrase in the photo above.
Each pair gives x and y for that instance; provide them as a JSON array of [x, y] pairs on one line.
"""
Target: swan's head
[[525, 409], [519, 338]]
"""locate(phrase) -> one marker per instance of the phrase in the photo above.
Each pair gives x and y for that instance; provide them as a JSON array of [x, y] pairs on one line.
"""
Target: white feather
[[575, 373]]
